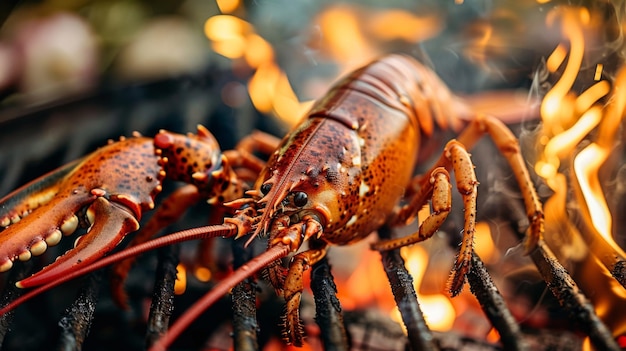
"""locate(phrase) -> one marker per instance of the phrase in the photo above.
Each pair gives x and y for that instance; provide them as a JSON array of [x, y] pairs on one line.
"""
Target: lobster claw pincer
[[115, 185], [111, 224]]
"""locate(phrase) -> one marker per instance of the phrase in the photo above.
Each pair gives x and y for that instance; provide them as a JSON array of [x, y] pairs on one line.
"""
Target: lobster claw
[[112, 222]]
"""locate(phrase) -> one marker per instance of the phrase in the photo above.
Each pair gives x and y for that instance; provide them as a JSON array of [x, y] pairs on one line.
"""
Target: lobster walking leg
[[243, 153], [438, 188], [508, 145], [457, 158], [293, 331]]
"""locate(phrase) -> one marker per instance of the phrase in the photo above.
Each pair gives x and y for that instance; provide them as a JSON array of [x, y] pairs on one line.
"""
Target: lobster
[[347, 170]]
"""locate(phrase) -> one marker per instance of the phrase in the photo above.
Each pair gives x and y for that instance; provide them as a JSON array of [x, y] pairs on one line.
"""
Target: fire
[[438, 310], [339, 27], [181, 279], [269, 88], [228, 35], [367, 285], [349, 35], [568, 121], [353, 35], [228, 6]]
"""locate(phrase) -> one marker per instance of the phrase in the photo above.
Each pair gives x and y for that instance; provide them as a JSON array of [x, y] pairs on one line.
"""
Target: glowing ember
[[203, 274], [181, 279], [484, 245], [438, 310]]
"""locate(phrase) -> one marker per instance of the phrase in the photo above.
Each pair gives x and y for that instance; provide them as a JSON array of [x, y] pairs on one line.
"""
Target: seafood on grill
[[343, 173]]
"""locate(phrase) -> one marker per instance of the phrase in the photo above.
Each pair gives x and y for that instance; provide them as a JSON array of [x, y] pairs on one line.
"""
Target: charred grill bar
[[494, 306], [162, 304], [419, 335], [571, 298], [245, 325], [328, 311], [76, 322]]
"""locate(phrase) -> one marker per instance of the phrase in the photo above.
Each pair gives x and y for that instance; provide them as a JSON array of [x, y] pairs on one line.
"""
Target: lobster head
[[305, 182]]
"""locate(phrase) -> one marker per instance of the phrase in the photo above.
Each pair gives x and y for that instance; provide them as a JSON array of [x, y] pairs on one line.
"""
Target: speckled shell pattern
[[355, 153], [189, 156], [127, 173], [128, 168]]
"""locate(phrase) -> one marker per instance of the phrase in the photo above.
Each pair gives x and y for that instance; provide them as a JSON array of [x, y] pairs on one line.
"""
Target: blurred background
[[111, 67]]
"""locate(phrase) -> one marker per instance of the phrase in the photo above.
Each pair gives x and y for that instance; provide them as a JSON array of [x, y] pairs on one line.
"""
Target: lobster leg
[[291, 285], [438, 188], [456, 157], [242, 157], [508, 145], [293, 331]]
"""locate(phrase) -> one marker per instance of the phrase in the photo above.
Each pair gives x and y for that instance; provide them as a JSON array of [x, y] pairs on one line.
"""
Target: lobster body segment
[[355, 153], [342, 173]]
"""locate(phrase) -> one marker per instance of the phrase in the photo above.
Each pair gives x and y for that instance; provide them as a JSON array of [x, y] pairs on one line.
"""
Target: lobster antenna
[[274, 253], [225, 230]]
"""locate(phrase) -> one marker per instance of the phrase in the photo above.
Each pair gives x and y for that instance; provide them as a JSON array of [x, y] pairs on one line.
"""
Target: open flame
[[348, 35], [568, 119], [269, 87], [568, 122], [368, 286], [438, 310]]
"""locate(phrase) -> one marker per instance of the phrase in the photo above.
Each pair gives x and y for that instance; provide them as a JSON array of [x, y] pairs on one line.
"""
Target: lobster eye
[[300, 198], [265, 188]]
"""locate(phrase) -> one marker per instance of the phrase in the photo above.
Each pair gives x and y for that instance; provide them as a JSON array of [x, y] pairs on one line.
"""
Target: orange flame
[[569, 119], [353, 35], [228, 6], [349, 36], [181, 279], [269, 88], [589, 161]]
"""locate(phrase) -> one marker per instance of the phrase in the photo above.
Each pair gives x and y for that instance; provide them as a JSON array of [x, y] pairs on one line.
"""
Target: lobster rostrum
[[345, 172], [108, 191]]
